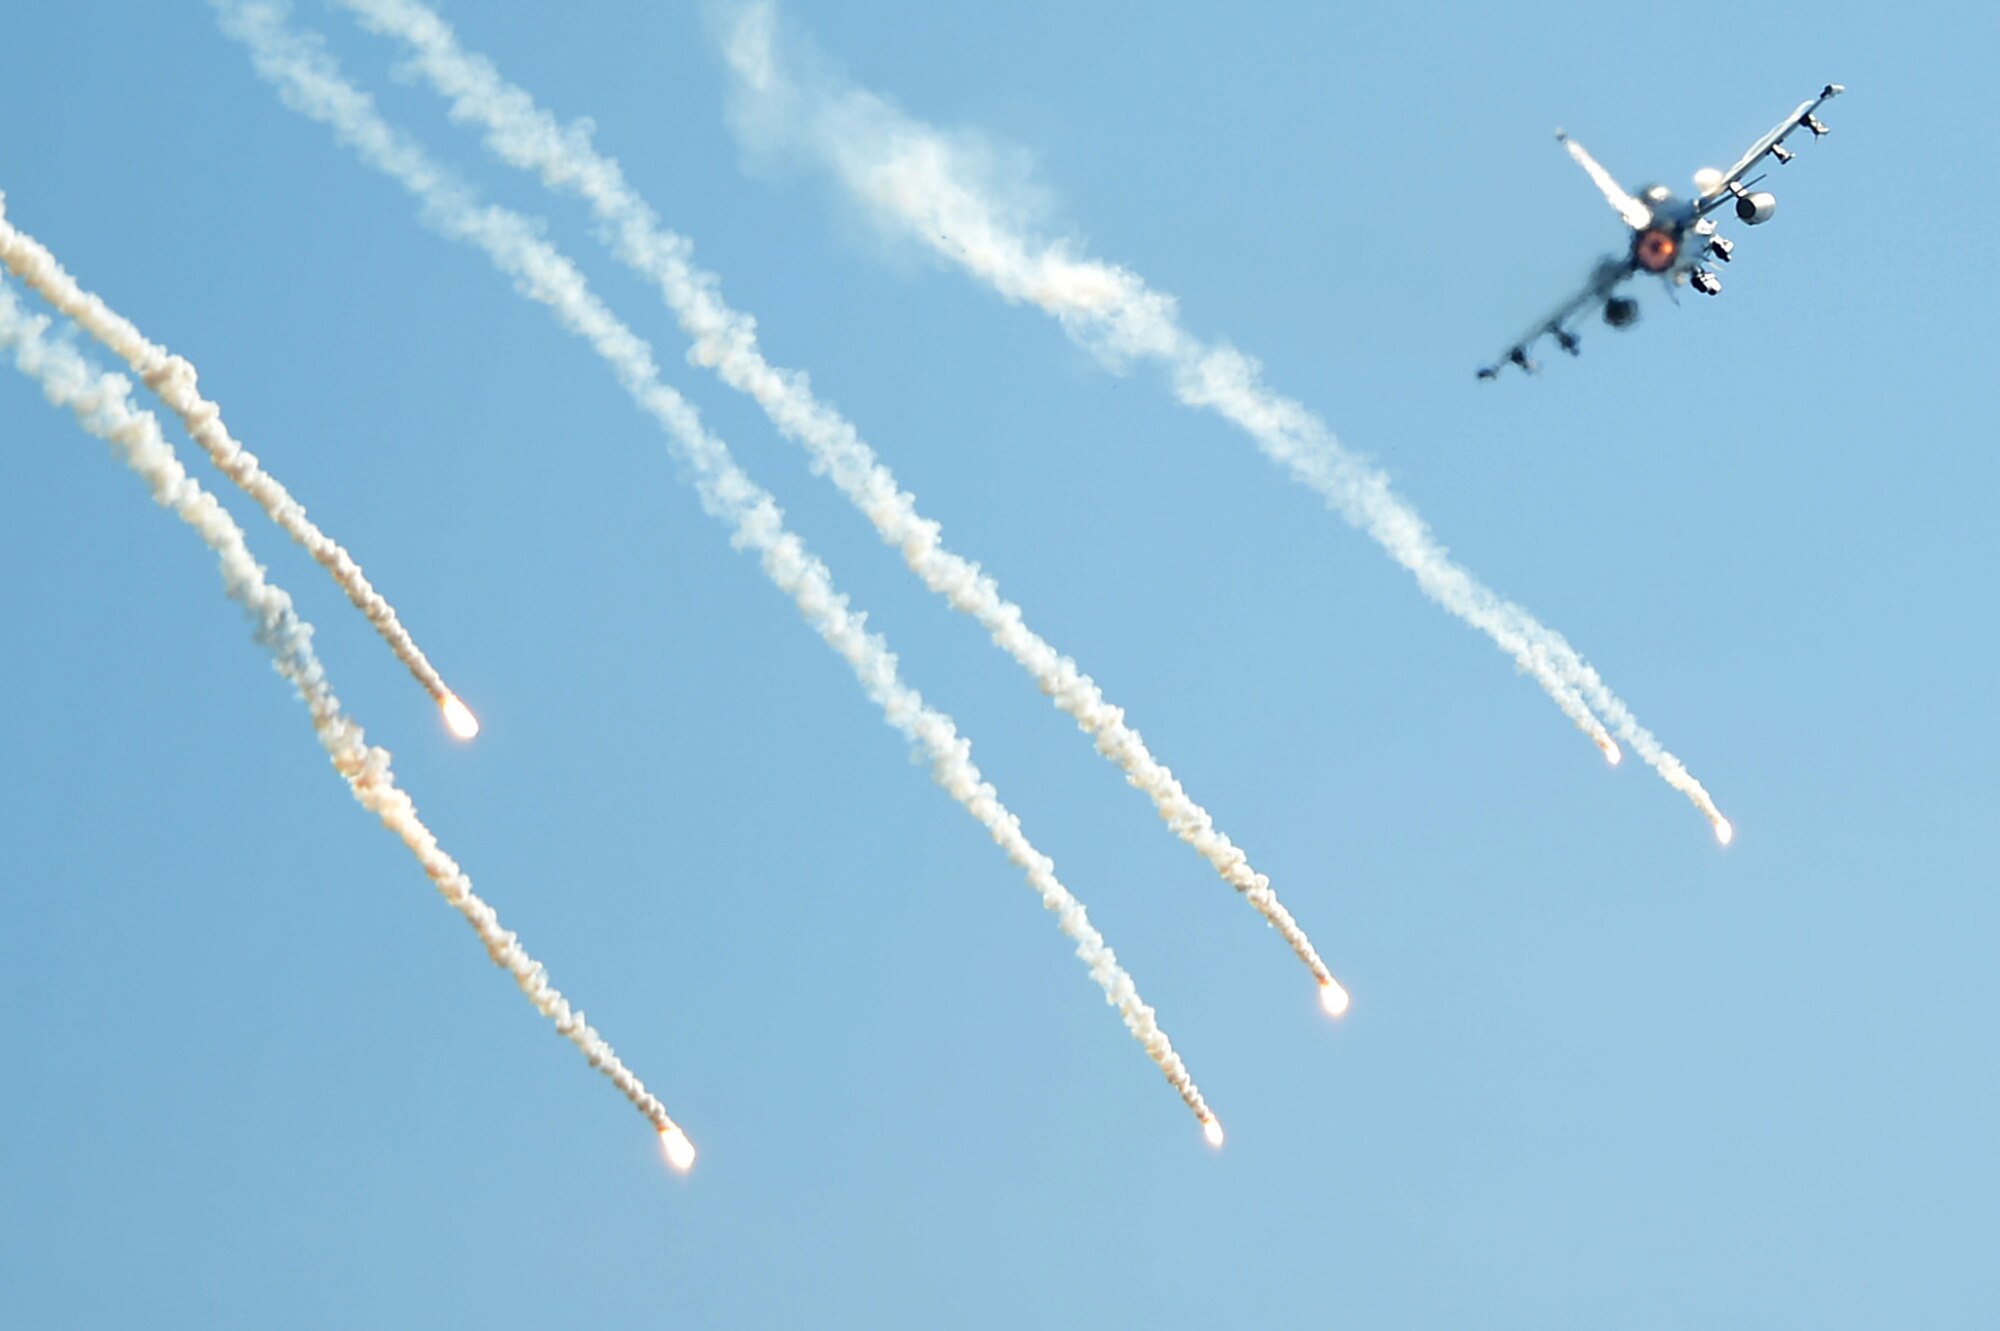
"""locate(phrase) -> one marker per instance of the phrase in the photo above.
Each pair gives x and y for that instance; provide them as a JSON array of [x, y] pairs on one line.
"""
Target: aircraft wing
[[1604, 279], [1771, 144], [1636, 214]]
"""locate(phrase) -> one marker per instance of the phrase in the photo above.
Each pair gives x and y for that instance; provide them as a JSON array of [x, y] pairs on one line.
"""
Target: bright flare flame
[[1611, 751], [680, 1151], [1724, 832], [1212, 1129], [459, 717], [1333, 998]]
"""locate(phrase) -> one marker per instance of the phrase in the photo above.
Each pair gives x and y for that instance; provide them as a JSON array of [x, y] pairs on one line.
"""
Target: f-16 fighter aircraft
[[1671, 238]]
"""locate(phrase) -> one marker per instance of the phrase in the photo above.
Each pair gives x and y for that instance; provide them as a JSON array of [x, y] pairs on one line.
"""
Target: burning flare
[[1612, 753], [1723, 831], [526, 136], [679, 1150], [309, 81], [1211, 1128], [934, 187], [174, 379], [459, 717], [102, 403], [1333, 998]]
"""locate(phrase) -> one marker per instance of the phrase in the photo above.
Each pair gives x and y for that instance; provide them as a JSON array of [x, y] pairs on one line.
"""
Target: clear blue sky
[[1598, 1071]]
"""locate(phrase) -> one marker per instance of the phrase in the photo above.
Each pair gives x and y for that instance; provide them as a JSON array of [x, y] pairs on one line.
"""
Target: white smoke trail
[[173, 378], [102, 402], [726, 340], [309, 81], [933, 187]]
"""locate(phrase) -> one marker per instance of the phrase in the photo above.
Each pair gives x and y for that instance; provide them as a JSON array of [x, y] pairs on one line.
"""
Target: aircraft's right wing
[[1604, 280], [1718, 188]]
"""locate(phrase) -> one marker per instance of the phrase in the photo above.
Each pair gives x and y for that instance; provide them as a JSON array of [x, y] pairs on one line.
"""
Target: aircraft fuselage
[[1669, 243]]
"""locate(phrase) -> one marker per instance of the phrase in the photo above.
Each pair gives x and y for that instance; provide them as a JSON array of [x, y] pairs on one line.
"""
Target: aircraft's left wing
[[1771, 145], [1604, 279], [1636, 214]]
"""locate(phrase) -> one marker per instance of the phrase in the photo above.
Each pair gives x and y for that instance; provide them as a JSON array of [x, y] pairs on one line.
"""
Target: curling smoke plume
[[936, 188], [102, 402], [726, 340], [309, 81], [173, 378]]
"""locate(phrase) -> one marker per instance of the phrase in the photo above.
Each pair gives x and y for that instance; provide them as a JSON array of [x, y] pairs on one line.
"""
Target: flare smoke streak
[[173, 378], [935, 188], [309, 81], [102, 402], [528, 137]]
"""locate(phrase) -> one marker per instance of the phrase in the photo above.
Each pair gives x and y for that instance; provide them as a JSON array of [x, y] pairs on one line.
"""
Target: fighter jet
[[1671, 238]]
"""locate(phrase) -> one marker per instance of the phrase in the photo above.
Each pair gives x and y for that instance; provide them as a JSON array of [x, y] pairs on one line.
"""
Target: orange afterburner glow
[[1655, 250]]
